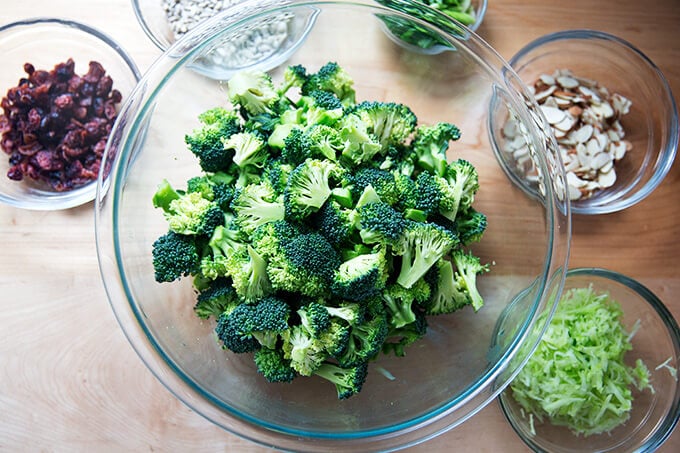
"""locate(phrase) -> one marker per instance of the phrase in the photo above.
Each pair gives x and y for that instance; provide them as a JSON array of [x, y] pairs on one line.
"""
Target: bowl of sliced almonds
[[611, 112]]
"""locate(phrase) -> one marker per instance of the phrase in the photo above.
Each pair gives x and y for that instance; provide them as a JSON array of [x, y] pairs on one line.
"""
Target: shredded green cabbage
[[577, 376]]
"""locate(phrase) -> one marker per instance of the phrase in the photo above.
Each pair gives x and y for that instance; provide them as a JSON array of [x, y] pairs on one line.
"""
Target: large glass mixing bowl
[[467, 358]]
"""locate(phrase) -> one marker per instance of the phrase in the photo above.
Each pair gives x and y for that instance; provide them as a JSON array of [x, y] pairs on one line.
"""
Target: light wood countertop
[[69, 380]]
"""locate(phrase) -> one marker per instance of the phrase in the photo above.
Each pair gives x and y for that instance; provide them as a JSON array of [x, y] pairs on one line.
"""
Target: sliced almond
[[553, 114]]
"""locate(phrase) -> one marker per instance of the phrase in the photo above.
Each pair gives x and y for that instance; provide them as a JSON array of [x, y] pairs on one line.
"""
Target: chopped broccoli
[[348, 381], [273, 366], [360, 146], [314, 318], [255, 205], [420, 247], [382, 181], [430, 144], [448, 295], [248, 149], [320, 231], [379, 223], [253, 91], [333, 78], [219, 297], [309, 186], [174, 255], [463, 180], [400, 301], [361, 277], [470, 226], [187, 213], [206, 142], [468, 266], [389, 122], [306, 353]]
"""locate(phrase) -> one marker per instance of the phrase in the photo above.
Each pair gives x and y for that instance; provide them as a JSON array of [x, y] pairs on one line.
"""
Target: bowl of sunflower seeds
[[611, 112]]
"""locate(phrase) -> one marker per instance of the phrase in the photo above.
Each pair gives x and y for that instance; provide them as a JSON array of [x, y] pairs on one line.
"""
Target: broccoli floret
[[399, 338], [314, 318], [253, 91], [447, 296], [255, 205], [365, 340], [320, 107], [306, 353], [305, 264], [382, 181], [350, 312], [248, 149], [219, 297], [379, 223], [434, 196], [421, 246], [463, 180], [470, 226], [273, 366], [347, 381], [173, 256], [399, 302], [430, 144], [335, 338], [188, 213], [391, 123], [251, 326], [206, 142], [248, 270], [333, 78], [468, 266], [361, 277], [309, 186], [293, 76], [360, 146], [276, 174], [333, 222], [225, 241], [297, 148], [324, 141]]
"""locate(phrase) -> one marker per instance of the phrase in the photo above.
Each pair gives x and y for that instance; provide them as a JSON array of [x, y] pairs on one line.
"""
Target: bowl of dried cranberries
[[61, 86]]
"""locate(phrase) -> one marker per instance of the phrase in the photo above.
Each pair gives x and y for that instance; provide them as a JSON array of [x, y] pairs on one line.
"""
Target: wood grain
[[69, 380]]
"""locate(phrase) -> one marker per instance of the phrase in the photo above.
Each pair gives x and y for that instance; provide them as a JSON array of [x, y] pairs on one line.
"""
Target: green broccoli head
[[347, 381], [360, 145], [391, 123], [248, 270], [366, 339], [293, 76], [219, 297], [255, 205], [297, 148], [306, 353], [308, 187], [334, 222], [206, 141], [463, 180], [468, 267], [379, 223], [320, 107], [430, 144], [324, 141], [333, 78], [251, 326], [382, 181], [399, 338], [361, 277], [248, 149], [314, 318], [420, 247], [400, 302], [253, 91], [447, 295], [174, 255], [470, 225], [273, 366]]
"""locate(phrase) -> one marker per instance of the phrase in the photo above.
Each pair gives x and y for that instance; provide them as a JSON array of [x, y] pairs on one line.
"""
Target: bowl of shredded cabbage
[[316, 252], [604, 375]]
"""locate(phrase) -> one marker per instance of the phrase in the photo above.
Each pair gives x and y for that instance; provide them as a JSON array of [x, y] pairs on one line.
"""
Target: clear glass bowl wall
[[464, 361]]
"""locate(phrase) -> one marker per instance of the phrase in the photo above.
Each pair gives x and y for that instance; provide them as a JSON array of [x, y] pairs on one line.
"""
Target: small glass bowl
[[45, 42], [651, 126], [656, 342]]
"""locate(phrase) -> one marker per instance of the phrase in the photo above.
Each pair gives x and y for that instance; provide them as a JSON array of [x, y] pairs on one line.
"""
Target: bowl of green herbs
[[604, 375]]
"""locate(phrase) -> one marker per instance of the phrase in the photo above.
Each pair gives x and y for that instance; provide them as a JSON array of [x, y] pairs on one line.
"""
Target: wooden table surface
[[69, 380]]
